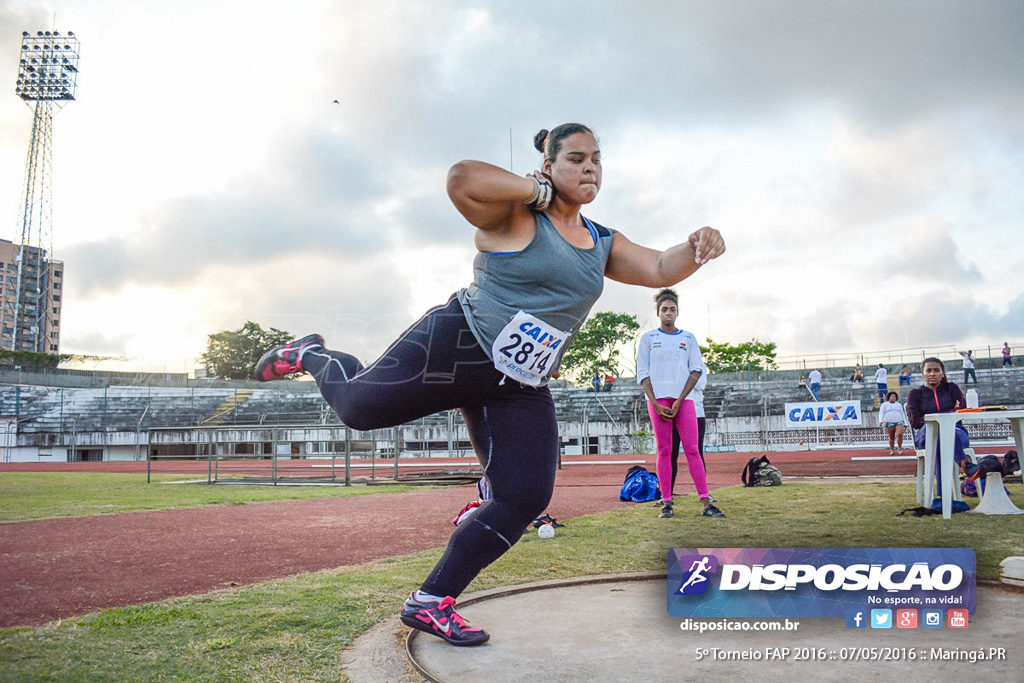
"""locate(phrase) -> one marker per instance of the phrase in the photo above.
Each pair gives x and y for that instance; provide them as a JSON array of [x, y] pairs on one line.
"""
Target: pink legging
[[686, 424]]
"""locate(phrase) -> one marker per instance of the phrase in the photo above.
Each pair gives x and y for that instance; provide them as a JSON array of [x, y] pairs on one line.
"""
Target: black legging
[[438, 365], [677, 443]]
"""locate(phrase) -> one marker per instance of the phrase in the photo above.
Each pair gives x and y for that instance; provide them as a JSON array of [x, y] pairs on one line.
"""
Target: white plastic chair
[[927, 469]]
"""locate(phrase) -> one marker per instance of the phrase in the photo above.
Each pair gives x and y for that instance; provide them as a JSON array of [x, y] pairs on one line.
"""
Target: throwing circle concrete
[[616, 629]]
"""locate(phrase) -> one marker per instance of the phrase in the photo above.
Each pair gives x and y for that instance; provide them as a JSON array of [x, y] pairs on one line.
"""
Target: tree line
[[597, 349]]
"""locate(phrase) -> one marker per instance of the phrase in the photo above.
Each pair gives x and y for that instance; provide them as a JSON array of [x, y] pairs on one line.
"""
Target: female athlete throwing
[[492, 347]]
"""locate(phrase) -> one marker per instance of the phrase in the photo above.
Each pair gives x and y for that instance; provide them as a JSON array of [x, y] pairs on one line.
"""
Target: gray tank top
[[550, 279]]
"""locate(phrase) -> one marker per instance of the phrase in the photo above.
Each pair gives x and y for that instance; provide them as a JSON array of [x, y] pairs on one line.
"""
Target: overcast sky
[[863, 159]]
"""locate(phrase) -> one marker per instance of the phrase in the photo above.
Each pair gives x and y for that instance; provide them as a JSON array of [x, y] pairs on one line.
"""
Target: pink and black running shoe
[[285, 360], [440, 619], [464, 512]]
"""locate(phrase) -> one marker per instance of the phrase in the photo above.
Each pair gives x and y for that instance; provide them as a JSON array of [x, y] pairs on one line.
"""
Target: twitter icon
[[881, 618]]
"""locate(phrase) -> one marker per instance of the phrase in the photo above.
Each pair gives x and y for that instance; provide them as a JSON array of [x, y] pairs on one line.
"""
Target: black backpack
[[1007, 466], [1011, 463], [760, 472]]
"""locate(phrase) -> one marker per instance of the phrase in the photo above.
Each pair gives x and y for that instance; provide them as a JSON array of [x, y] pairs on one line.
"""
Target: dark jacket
[[922, 401]]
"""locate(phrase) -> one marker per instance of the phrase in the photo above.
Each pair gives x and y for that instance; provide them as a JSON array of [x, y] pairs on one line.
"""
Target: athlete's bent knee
[[363, 420]]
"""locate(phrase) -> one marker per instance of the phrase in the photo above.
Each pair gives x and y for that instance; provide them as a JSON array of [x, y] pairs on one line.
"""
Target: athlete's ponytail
[[549, 143], [539, 139]]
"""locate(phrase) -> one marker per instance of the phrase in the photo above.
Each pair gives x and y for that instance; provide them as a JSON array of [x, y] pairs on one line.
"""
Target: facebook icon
[[855, 618]]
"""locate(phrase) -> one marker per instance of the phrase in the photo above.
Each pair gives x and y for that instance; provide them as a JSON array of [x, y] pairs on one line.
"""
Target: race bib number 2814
[[528, 349]]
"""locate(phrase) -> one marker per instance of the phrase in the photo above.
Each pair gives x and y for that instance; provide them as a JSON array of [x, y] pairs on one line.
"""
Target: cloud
[[15, 18], [96, 343], [316, 197], [15, 117], [959, 315], [357, 306], [887, 63], [927, 253], [826, 326], [420, 86], [449, 63], [845, 150], [878, 176]]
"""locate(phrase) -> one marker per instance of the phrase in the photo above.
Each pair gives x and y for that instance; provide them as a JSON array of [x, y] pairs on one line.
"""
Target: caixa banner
[[817, 582], [823, 414]]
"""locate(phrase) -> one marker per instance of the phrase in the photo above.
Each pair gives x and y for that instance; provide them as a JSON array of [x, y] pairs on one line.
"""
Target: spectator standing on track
[[893, 420]]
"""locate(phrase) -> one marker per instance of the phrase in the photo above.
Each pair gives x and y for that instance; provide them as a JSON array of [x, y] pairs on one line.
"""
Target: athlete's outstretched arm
[[637, 265], [488, 196]]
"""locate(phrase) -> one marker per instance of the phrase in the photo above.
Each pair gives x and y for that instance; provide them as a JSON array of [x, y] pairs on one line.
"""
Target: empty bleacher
[[120, 409], [38, 414]]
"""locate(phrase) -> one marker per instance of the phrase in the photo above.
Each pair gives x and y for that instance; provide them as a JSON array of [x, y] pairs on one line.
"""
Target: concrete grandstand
[[65, 415]]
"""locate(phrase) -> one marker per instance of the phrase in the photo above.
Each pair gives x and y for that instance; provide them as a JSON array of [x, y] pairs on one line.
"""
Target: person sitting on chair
[[936, 395]]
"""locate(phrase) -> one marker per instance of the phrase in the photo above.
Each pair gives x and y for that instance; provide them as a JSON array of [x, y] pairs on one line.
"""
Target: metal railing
[[313, 453]]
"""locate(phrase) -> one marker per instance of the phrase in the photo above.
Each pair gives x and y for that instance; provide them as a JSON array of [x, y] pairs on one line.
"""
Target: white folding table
[[939, 430]]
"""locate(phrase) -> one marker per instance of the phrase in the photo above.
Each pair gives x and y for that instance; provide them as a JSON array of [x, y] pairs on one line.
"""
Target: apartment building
[[36, 326]]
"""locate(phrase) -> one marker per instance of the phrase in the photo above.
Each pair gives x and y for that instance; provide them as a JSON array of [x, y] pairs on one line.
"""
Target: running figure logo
[[696, 580]]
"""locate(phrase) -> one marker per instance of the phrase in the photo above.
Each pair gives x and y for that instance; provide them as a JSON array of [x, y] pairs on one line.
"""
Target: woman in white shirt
[[668, 366], [893, 419]]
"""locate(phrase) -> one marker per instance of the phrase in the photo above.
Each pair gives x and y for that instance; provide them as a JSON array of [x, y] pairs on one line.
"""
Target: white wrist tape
[[542, 195]]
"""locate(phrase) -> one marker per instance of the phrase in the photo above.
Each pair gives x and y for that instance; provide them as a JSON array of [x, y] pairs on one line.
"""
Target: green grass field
[[45, 495], [296, 628]]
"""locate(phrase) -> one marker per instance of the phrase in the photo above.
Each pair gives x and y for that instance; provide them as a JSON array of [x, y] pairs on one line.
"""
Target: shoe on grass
[[712, 511], [285, 360], [666, 511], [440, 619], [658, 503]]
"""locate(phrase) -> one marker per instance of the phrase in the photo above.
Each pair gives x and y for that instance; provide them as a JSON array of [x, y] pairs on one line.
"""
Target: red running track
[[58, 568]]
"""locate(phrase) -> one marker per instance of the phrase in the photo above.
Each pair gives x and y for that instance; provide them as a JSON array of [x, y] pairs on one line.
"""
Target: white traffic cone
[[995, 501]]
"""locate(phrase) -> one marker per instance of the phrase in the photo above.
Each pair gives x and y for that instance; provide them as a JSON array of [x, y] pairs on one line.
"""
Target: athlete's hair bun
[[539, 139]]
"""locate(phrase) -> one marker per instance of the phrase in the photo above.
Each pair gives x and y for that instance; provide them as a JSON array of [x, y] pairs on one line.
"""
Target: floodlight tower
[[47, 80]]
